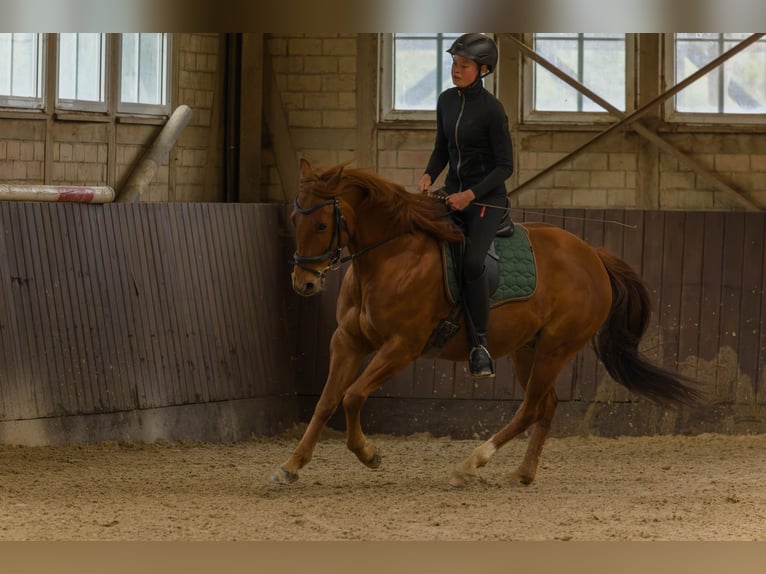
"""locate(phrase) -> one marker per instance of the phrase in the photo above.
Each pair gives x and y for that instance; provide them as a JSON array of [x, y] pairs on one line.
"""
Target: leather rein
[[335, 247]]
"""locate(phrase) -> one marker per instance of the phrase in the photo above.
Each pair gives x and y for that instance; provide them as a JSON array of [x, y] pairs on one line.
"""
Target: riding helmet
[[477, 47]]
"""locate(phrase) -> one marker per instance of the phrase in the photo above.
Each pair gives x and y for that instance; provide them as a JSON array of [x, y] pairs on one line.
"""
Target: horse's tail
[[616, 343]]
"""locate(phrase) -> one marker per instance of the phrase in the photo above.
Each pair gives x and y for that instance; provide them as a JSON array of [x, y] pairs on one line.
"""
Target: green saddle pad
[[516, 277]]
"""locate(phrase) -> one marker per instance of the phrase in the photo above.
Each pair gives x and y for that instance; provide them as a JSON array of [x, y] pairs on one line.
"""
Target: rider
[[472, 136]]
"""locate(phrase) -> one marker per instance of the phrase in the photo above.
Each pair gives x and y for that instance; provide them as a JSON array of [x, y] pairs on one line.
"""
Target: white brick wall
[[318, 83], [79, 151], [316, 76]]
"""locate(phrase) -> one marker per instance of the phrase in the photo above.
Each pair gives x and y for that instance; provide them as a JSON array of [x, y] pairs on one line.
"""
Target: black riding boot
[[476, 297]]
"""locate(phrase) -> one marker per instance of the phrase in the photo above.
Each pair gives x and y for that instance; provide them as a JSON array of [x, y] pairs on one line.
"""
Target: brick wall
[[316, 76], [46, 148], [738, 159], [605, 176], [316, 79], [22, 150], [198, 156]]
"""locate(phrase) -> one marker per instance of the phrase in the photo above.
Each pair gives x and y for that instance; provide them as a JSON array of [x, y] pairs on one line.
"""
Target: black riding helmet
[[476, 47]]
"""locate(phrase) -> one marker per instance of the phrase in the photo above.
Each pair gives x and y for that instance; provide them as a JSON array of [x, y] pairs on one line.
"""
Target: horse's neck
[[386, 244], [371, 228]]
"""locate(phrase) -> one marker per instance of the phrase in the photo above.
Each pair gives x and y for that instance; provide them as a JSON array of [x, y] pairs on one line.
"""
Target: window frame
[[531, 116], [78, 105], [673, 116], [136, 108], [386, 111], [29, 103], [112, 108]]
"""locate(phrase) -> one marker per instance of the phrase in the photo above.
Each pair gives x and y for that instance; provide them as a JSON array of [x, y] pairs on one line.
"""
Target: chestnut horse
[[392, 297]]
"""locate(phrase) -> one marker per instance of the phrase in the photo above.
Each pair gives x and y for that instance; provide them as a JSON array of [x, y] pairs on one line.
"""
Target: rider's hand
[[425, 183], [459, 201]]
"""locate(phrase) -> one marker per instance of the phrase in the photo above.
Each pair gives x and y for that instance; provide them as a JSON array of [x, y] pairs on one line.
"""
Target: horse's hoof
[[283, 476], [460, 479], [375, 461], [519, 478]]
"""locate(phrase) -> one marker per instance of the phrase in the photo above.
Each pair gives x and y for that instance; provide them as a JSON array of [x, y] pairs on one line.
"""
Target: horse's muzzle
[[307, 284]]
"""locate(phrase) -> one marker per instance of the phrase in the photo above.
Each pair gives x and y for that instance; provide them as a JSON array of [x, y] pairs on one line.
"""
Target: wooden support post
[[251, 118], [276, 121]]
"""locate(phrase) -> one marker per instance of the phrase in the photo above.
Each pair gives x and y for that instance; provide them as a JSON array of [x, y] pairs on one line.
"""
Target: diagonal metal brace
[[632, 117]]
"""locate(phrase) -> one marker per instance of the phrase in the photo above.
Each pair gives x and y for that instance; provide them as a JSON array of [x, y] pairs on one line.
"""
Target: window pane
[[129, 72], [737, 86], [604, 73], [144, 69], [20, 65], [745, 81], [421, 69], [595, 60], [81, 67], [551, 94]]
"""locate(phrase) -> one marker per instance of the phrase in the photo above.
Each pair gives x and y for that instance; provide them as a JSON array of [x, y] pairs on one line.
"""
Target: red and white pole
[[62, 193]]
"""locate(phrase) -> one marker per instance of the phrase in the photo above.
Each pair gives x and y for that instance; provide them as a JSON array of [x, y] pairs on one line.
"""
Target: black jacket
[[472, 136]]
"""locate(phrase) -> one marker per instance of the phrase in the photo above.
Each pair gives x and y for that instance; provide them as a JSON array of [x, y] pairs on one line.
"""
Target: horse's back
[[571, 274], [571, 300], [561, 250]]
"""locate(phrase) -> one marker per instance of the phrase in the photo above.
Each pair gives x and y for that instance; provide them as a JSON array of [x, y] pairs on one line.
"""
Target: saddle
[[510, 266], [511, 270]]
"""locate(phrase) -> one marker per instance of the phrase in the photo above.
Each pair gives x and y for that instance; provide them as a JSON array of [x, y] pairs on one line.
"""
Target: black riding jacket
[[472, 136]]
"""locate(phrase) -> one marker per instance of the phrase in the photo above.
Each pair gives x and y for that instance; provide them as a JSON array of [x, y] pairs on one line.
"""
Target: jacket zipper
[[457, 142]]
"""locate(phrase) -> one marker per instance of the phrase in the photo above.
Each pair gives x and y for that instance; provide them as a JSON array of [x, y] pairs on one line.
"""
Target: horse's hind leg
[[346, 356], [526, 471], [538, 406]]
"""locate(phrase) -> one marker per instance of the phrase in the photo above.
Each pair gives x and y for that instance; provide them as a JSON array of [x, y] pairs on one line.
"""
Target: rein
[[334, 249], [440, 195]]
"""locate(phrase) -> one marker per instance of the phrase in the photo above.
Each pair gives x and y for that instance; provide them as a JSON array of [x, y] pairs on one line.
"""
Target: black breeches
[[479, 223]]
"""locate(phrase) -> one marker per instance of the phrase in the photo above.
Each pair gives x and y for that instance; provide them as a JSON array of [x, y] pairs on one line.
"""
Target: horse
[[392, 297]]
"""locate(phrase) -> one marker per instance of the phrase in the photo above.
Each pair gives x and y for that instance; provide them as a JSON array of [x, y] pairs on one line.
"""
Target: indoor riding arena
[[157, 368]]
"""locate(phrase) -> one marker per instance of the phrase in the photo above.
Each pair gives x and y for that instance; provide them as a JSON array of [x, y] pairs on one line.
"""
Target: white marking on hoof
[[483, 453]]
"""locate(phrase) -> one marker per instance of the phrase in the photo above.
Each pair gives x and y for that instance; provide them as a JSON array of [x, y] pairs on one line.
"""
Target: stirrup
[[480, 363]]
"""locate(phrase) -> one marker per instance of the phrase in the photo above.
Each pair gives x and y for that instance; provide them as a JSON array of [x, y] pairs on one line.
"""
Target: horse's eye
[[321, 226]]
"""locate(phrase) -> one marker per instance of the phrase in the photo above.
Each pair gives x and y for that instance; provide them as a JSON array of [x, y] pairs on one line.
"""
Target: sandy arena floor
[[708, 487]]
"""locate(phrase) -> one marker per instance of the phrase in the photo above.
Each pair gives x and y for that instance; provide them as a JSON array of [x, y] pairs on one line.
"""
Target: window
[[144, 73], [92, 72], [82, 72], [598, 61], [21, 70], [737, 88], [421, 70], [416, 68]]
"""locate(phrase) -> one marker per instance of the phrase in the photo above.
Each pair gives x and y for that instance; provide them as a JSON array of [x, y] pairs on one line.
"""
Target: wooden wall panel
[[705, 272], [120, 307], [691, 285], [731, 300], [116, 308]]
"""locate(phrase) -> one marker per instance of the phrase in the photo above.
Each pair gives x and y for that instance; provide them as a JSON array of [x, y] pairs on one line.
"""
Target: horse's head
[[320, 228]]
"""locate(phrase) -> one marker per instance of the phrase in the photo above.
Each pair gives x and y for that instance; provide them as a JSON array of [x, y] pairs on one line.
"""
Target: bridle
[[335, 247]]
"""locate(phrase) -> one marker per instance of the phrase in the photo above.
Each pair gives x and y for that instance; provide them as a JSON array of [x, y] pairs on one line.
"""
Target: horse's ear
[[305, 167], [334, 180]]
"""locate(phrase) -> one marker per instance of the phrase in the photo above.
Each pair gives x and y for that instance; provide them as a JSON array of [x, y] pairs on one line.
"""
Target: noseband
[[334, 249]]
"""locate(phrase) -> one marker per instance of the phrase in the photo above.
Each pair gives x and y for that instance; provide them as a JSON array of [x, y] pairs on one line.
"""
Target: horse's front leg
[[346, 354], [390, 359]]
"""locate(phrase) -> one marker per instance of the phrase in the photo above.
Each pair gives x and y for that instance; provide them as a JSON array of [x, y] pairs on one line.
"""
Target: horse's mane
[[396, 206]]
